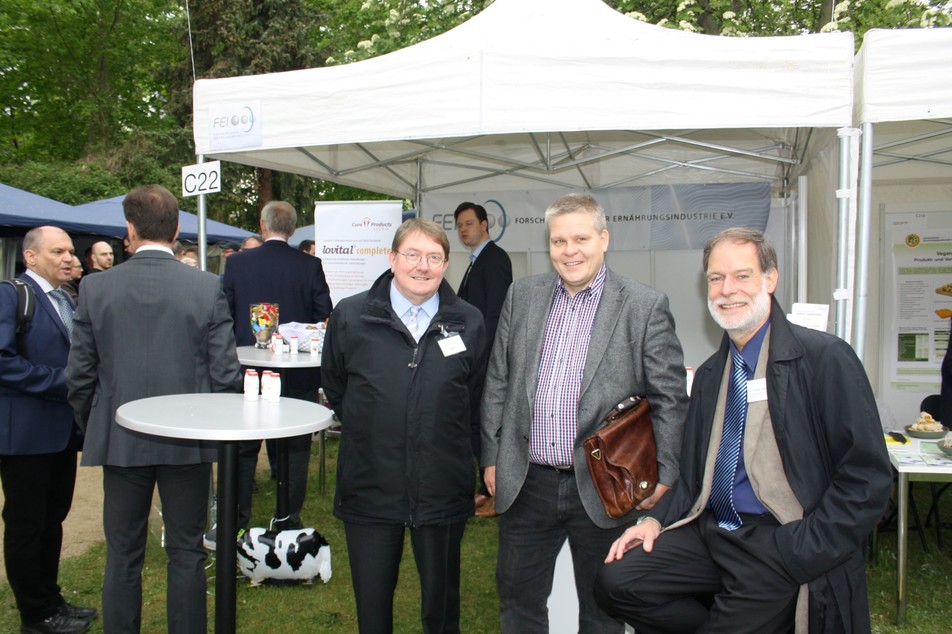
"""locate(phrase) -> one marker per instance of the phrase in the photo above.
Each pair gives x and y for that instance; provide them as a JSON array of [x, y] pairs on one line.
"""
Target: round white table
[[264, 358], [227, 418], [255, 357]]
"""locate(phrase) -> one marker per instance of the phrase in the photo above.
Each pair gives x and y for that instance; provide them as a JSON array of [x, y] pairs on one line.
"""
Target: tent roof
[[903, 86], [109, 213], [904, 74], [20, 208], [537, 94]]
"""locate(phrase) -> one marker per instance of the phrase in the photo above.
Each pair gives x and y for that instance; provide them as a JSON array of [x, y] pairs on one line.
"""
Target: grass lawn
[[330, 607]]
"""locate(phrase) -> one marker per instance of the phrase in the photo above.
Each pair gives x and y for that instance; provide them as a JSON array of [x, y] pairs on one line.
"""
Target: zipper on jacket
[[413, 364]]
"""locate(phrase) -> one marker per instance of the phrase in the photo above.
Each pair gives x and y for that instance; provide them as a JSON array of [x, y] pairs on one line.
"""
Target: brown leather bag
[[622, 458]]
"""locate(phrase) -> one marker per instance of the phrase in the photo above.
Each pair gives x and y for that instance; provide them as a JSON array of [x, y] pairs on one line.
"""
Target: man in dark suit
[[570, 346], [784, 473], [484, 285], [150, 327], [279, 274], [38, 440], [489, 274]]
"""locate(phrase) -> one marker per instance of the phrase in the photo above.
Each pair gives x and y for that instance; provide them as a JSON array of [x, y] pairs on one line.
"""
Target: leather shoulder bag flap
[[621, 457]]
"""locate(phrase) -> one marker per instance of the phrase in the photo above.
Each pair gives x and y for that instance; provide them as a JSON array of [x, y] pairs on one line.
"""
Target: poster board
[[353, 241], [916, 309]]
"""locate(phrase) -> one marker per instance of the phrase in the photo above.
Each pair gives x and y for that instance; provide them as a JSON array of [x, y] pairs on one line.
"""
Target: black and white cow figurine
[[299, 555]]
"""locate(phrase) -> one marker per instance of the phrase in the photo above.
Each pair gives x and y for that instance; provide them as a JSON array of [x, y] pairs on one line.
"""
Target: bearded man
[[783, 475]]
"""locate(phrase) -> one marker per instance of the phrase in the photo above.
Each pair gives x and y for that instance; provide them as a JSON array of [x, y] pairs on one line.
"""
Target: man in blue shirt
[[783, 475]]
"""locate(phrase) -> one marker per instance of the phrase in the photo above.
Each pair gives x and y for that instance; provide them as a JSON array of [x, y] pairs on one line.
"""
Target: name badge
[[452, 344], [756, 390]]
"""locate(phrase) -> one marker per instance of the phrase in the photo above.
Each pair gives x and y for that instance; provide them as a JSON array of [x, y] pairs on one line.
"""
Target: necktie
[[735, 413], [412, 324], [462, 285], [65, 309]]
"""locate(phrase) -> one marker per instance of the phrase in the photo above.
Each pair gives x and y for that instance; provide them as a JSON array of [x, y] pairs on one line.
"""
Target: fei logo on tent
[[234, 125]]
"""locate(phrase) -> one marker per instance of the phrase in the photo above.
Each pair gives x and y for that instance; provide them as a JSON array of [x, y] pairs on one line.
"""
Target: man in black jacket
[[484, 285], [403, 364], [278, 273], [783, 475]]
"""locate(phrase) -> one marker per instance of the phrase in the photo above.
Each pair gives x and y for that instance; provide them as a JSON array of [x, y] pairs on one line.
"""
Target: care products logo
[[235, 125], [367, 223]]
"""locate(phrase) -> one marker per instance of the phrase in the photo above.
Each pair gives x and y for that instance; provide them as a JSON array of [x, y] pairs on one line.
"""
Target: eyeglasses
[[413, 258]]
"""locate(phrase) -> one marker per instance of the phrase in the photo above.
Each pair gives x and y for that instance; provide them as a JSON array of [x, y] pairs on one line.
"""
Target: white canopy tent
[[903, 105], [539, 94], [554, 94]]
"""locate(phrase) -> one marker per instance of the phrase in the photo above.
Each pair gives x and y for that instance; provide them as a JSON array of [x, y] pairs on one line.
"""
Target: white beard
[[744, 323]]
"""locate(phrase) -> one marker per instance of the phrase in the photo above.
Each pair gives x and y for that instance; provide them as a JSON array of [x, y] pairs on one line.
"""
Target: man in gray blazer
[[148, 328], [569, 347]]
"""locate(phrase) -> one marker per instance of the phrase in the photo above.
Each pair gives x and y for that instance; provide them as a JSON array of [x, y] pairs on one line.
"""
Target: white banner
[[233, 126], [353, 241], [658, 217]]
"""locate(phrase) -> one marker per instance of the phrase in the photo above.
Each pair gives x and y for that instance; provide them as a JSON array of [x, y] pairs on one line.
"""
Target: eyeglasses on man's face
[[413, 258]]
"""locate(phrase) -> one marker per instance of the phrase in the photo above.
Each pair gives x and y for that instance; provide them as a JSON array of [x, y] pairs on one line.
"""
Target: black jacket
[[827, 428], [406, 410], [486, 285]]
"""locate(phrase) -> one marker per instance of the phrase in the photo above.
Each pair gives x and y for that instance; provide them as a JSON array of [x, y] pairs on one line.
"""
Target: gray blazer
[[633, 350], [148, 327]]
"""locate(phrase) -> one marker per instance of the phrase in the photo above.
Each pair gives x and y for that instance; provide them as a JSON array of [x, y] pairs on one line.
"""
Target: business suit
[[486, 284], [38, 444], [277, 273], [819, 428], [148, 328], [632, 350]]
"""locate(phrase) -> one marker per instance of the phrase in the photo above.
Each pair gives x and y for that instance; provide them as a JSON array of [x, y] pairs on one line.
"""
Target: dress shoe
[[56, 624], [485, 506], [77, 612]]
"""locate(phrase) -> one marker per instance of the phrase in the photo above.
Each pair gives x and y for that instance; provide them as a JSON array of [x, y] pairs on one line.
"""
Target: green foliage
[[106, 85], [353, 30], [321, 608], [787, 17], [78, 77], [71, 183], [329, 608]]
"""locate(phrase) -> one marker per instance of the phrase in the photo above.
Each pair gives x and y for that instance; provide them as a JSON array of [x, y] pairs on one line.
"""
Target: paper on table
[[937, 459]]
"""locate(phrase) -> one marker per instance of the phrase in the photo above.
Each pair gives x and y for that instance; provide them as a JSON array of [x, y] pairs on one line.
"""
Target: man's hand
[[489, 477], [643, 534], [649, 502]]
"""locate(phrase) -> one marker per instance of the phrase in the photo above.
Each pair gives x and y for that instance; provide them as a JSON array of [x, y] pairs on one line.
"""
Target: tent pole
[[202, 228], [862, 239], [841, 293]]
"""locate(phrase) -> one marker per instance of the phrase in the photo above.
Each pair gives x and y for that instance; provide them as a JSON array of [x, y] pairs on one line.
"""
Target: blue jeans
[[548, 510]]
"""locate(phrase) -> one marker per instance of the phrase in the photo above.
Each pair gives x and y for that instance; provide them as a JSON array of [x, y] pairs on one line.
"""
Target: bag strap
[[26, 305], [627, 404]]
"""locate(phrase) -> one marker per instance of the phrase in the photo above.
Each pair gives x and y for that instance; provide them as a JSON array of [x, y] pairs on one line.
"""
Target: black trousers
[[38, 492], [299, 456], [375, 551], [702, 578], [127, 502]]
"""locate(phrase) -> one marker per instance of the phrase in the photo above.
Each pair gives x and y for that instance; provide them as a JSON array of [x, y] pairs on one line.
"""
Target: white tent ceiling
[[904, 86], [903, 104], [540, 94]]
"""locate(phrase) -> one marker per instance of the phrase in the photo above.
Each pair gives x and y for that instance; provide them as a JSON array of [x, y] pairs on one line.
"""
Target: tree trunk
[[265, 187]]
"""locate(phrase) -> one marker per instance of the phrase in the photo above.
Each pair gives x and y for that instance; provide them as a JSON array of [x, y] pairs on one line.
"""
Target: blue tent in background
[[19, 208], [109, 212]]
